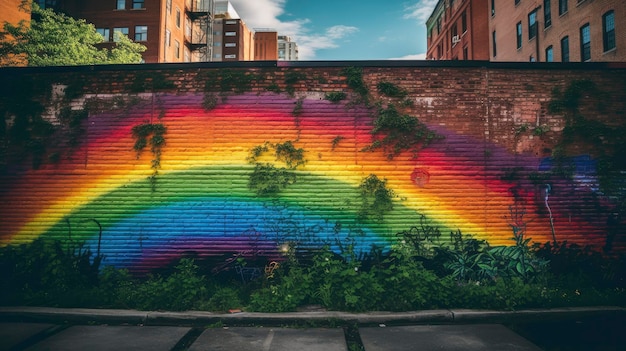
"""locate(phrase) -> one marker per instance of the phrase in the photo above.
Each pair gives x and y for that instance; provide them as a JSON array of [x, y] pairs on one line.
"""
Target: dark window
[[608, 30], [451, 3], [562, 7], [517, 2], [47, 4], [493, 43], [438, 25], [547, 14], [565, 49], [493, 7], [138, 4], [141, 33], [585, 43], [465, 53], [178, 18], [464, 22], [549, 54], [532, 24], [519, 35]]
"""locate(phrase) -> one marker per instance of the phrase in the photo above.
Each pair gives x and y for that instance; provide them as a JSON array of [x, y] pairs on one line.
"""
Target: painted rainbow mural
[[100, 192]]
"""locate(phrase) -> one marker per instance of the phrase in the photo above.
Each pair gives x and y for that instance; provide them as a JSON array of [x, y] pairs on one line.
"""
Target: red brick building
[[458, 30], [172, 30], [557, 30]]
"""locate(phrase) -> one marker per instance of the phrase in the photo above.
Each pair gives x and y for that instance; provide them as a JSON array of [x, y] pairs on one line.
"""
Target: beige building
[[557, 30], [12, 12]]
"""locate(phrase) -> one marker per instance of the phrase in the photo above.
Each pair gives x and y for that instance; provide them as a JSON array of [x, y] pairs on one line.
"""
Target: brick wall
[[491, 168]]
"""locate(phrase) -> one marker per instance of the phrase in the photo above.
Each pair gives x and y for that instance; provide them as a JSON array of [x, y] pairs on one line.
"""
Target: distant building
[[172, 30], [458, 30], [265, 45], [287, 49], [557, 30]]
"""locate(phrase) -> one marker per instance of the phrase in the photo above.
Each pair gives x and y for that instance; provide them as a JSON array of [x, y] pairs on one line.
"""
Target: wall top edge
[[316, 64]]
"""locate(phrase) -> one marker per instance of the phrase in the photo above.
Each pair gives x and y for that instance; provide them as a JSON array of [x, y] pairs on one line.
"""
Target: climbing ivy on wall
[[394, 132], [376, 198], [267, 179], [154, 135]]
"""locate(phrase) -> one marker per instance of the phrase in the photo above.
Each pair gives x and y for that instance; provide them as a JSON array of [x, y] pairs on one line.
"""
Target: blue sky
[[345, 29]]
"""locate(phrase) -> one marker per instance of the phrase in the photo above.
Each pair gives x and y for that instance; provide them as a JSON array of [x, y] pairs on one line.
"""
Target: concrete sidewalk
[[33, 328]]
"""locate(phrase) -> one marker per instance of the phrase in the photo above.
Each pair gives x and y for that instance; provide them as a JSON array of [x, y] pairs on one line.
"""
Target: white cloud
[[420, 10], [411, 57], [266, 13]]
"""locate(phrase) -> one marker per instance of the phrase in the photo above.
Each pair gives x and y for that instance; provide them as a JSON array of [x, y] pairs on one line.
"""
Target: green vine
[[268, 180], [229, 80], [354, 79], [391, 90], [153, 134], [395, 132], [291, 78], [336, 140], [376, 198], [150, 81], [335, 96]]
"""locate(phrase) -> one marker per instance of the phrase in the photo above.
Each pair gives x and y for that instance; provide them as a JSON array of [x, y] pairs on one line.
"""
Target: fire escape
[[199, 29]]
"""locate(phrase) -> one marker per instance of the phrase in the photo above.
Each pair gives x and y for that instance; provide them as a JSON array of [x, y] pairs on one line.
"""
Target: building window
[[517, 2], [121, 5], [532, 25], [231, 56], [438, 25], [464, 22], [141, 33], [608, 30], [585, 43], [549, 54], [562, 7], [519, 35], [121, 30], [455, 35], [230, 45], [465, 53], [493, 43], [176, 49], [168, 7], [493, 7], [547, 13], [138, 4], [230, 34], [565, 49], [106, 34], [217, 43], [47, 4], [168, 38], [178, 18]]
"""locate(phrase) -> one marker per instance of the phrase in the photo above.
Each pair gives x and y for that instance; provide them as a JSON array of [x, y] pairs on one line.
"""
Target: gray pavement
[[32, 328]]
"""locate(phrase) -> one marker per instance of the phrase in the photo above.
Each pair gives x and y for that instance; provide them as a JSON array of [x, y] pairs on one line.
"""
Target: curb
[[199, 318]]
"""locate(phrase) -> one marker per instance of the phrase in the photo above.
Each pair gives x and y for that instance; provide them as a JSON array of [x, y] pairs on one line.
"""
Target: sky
[[345, 29]]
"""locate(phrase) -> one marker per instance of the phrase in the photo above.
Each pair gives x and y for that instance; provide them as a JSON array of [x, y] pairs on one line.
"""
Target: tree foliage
[[54, 39]]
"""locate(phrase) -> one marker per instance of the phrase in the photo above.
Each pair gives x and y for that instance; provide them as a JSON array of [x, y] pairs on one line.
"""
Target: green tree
[[54, 39]]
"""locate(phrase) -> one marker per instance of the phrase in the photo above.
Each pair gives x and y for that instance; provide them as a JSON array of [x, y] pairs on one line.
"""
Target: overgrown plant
[[391, 90], [154, 134], [394, 133], [266, 179], [335, 96], [376, 198]]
